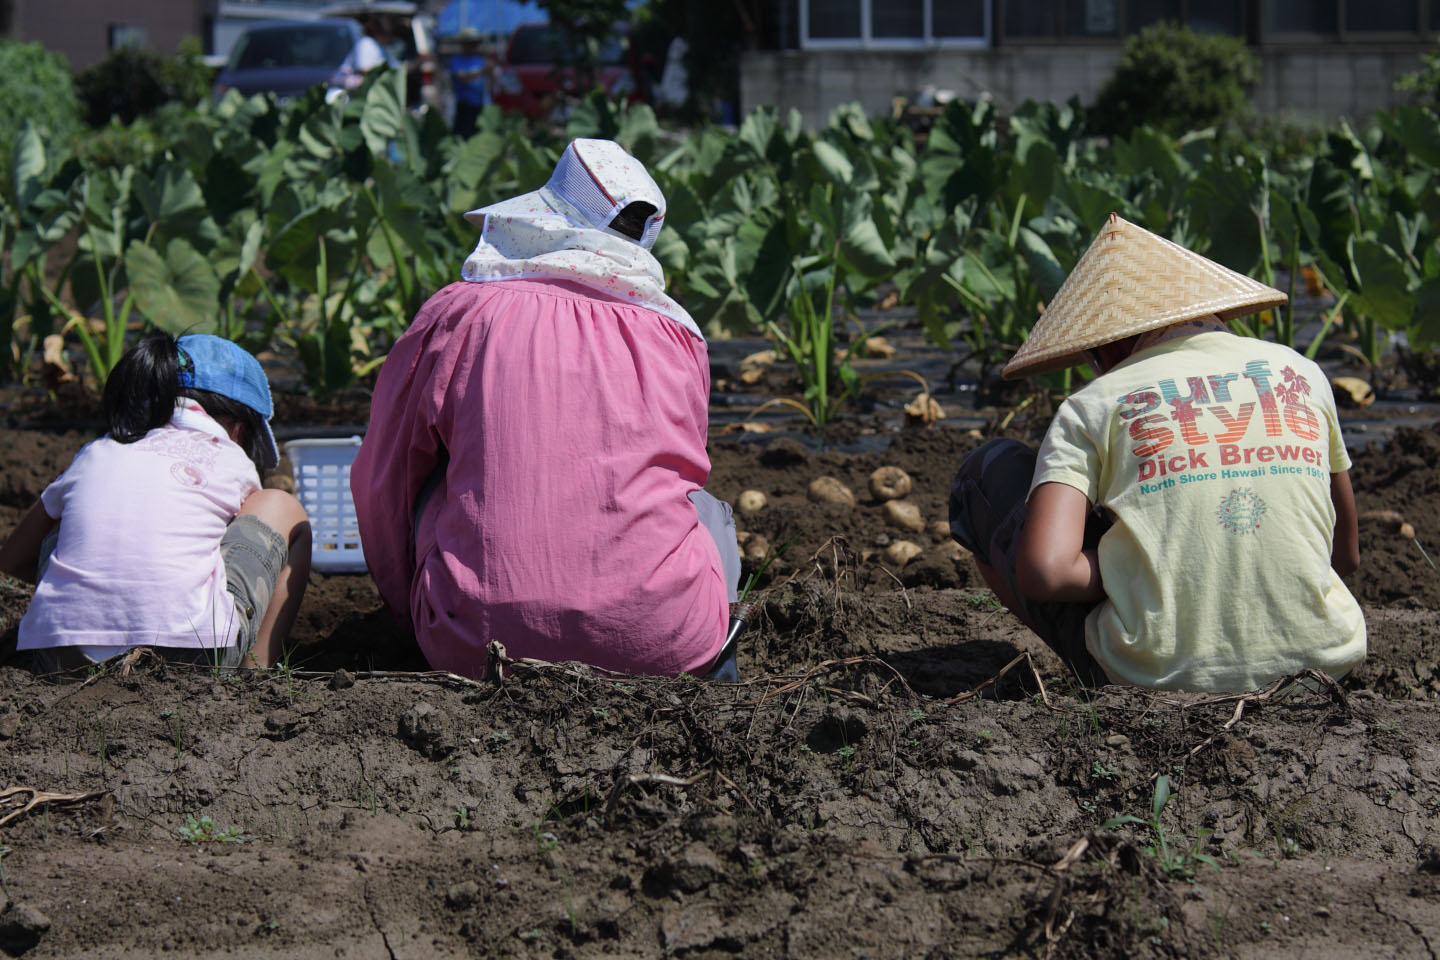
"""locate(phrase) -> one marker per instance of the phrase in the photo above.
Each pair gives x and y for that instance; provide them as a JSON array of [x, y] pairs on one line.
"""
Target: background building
[[1318, 57], [86, 30]]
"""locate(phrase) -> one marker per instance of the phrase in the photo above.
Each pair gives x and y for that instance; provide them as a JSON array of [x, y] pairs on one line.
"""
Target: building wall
[[1320, 81], [80, 29]]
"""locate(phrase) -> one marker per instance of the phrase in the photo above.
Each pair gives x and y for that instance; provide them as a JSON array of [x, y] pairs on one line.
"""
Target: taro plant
[[37, 211]]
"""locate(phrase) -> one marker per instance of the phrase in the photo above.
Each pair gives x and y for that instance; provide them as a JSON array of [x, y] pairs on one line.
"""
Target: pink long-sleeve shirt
[[575, 429]]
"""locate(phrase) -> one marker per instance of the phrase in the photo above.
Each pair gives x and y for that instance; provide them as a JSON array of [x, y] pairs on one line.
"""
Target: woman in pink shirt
[[535, 465]]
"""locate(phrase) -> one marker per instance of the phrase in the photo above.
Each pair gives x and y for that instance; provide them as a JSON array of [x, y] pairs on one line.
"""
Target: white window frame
[[867, 42]]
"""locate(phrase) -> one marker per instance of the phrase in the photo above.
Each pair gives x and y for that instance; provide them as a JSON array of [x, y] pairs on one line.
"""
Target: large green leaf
[[27, 166], [1381, 286], [833, 162], [1425, 331], [862, 247], [383, 117], [175, 207], [177, 291], [758, 129], [1229, 200], [1045, 269], [1417, 129]]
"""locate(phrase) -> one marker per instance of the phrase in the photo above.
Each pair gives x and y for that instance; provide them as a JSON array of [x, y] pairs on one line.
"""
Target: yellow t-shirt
[[1214, 452]]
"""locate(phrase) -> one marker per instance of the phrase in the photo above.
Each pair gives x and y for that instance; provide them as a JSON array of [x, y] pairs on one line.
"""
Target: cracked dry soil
[[834, 804]]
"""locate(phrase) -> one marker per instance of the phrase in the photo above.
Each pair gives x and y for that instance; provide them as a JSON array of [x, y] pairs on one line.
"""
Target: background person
[[535, 464], [158, 533], [1189, 515], [369, 52], [470, 73]]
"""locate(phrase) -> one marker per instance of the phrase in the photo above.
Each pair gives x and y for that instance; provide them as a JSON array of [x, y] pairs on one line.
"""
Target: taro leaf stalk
[[36, 212]]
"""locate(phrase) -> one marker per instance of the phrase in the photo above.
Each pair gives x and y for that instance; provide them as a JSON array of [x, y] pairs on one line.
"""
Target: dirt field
[[837, 803]]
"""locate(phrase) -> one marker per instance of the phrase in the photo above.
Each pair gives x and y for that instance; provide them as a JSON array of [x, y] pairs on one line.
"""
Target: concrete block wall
[[1307, 82]]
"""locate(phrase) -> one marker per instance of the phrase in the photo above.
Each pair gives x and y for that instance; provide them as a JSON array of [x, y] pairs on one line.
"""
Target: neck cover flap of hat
[[562, 231], [1128, 282]]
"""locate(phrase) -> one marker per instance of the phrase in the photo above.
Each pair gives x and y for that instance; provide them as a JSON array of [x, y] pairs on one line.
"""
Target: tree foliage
[[35, 85], [1176, 80]]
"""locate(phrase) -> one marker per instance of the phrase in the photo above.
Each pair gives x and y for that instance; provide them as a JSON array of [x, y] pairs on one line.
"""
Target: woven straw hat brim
[[1132, 281]]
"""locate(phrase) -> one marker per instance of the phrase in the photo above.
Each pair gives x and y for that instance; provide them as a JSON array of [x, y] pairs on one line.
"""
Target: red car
[[536, 75]]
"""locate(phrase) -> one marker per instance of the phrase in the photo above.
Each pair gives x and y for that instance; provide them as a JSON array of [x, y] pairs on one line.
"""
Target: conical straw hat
[[1131, 281]]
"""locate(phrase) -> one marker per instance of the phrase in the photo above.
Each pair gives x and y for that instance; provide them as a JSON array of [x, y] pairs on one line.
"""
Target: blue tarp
[[489, 17]]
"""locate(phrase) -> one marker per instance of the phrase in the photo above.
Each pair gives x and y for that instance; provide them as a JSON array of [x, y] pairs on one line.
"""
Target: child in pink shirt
[[158, 533]]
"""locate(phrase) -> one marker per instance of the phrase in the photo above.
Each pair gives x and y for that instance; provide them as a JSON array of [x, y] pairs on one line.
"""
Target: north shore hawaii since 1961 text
[[1205, 433]]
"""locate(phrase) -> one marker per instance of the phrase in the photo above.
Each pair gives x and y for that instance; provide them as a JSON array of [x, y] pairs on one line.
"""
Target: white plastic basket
[[322, 484]]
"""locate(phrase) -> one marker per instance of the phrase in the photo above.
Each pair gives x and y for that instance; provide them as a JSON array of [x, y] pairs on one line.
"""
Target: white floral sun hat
[[566, 230]]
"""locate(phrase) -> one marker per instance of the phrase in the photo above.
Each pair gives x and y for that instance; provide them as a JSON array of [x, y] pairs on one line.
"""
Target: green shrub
[[1174, 79], [35, 85], [123, 86], [132, 83], [1425, 82], [185, 77]]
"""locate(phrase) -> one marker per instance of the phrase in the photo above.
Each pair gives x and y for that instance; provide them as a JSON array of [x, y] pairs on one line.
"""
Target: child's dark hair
[[141, 392], [631, 220]]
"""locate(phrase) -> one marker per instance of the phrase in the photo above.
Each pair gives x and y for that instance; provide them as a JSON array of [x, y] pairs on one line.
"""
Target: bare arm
[[1345, 551], [1051, 562], [20, 553]]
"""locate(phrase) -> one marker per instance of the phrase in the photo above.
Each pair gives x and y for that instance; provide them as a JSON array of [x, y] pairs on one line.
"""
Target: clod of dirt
[[890, 483], [9, 725], [783, 453], [751, 501], [693, 869], [462, 894], [342, 679], [905, 515], [283, 725], [423, 727], [837, 727], [830, 490], [902, 552], [21, 927]]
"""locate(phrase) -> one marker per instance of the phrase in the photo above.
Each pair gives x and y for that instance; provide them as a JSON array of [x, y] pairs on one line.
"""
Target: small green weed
[[500, 736], [462, 818], [985, 600], [1175, 859], [1103, 771], [176, 722], [205, 830], [545, 841]]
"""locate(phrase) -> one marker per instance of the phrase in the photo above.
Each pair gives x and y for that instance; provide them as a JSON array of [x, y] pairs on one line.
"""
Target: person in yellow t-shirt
[[1188, 518]]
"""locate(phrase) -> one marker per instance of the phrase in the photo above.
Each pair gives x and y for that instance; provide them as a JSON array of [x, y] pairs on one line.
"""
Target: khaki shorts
[[254, 553], [988, 509]]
